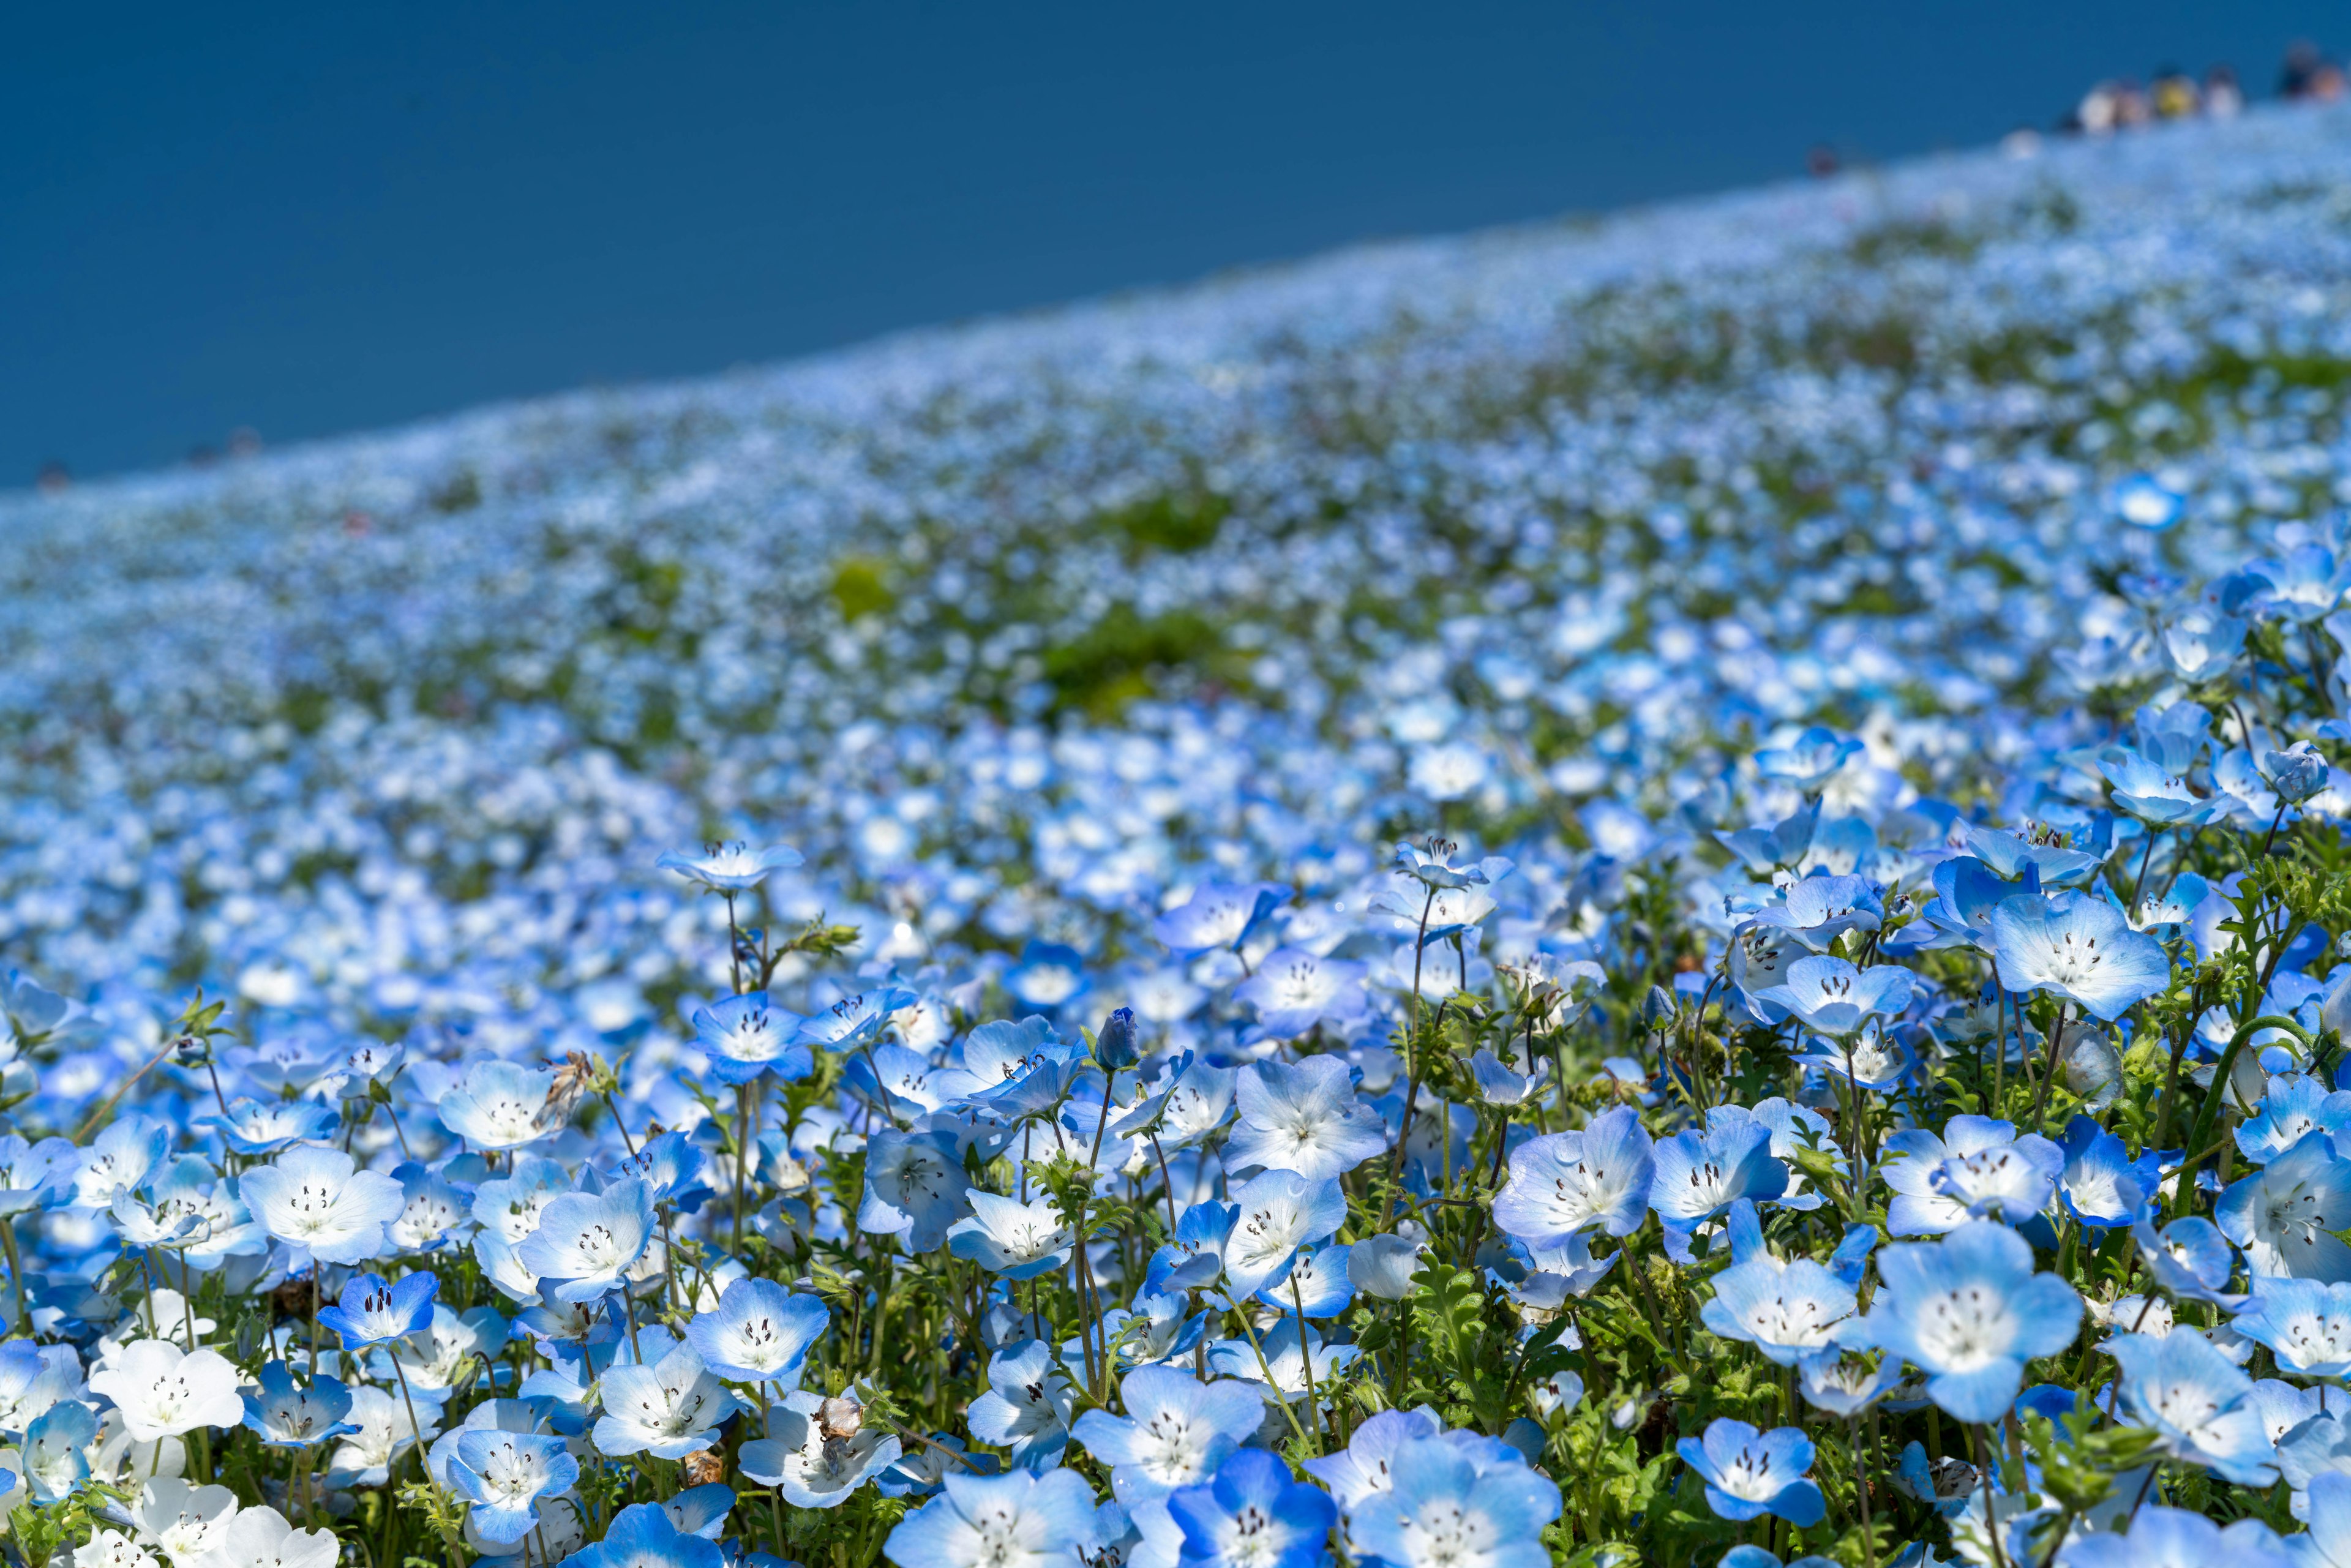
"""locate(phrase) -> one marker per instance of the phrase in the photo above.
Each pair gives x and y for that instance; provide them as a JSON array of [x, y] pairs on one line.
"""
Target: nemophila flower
[[371, 1309], [2154, 794], [1845, 1382], [319, 1200], [1197, 1104], [748, 1035], [2285, 1216], [1978, 1168], [914, 1187], [669, 1410], [1501, 1085], [510, 1205], [1252, 1515], [1833, 996], [1004, 1236], [759, 1333], [643, 1535], [1317, 1283], [2306, 1324], [1700, 1175], [435, 1209], [1303, 1118], [1175, 1432], [1432, 865], [730, 867], [1015, 1520], [1279, 1212], [1444, 1510], [1026, 1406], [1970, 1312], [587, 1242], [106, 1549], [265, 1127], [1561, 1182], [2160, 1536], [2078, 948], [185, 1522], [1748, 1474], [163, 1390], [34, 1377], [1872, 1057], [1818, 910], [2327, 1543], [123, 1155], [1787, 1310], [2101, 1185], [1365, 1468], [2197, 1400], [1294, 990], [1810, 760], [55, 1450], [384, 1426], [2295, 1106], [1218, 915], [261, 1538], [822, 1452], [287, 1414], [1280, 1359], [500, 1105], [2191, 1258], [505, 1474]]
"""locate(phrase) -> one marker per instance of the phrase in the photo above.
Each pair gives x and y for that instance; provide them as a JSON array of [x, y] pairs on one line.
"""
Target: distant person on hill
[[2134, 110], [2094, 115], [2223, 99], [2175, 94]]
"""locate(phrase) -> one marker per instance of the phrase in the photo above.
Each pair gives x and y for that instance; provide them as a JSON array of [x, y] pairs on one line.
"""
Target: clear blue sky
[[326, 218]]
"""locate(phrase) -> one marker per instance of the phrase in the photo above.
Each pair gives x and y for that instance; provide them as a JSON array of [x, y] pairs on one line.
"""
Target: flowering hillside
[[1661, 889]]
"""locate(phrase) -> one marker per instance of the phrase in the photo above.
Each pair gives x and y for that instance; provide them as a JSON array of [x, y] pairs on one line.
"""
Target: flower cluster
[[1673, 892]]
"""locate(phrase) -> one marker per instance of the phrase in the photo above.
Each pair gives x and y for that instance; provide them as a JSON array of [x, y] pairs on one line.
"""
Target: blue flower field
[[1673, 889]]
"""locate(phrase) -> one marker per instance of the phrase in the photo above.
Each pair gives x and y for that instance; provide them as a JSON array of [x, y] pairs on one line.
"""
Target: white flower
[[669, 1410], [319, 1200], [260, 1538], [365, 1456], [185, 1522], [109, 1549], [164, 1391]]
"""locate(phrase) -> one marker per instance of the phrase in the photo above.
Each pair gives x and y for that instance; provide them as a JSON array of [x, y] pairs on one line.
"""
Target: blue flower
[[2163, 1537], [1175, 1432], [2154, 794], [2102, 1186], [1014, 1521], [2295, 1106], [1443, 1510], [1278, 1213], [267, 1126], [57, 1449], [1565, 1181], [914, 1187], [1220, 914], [643, 1535], [1303, 1118], [2306, 1324], [288, 1414], [1317, 1283], [505, 1474], [1833, 996], [1252, 1515], [371, 1311], [1026, 1406], [1700, 1175], [1820, 909], [2285, 1216], [1788, 1311], [1295, 990], [2192, 1258], [2328, 1543], [748, 1035], [586, 1243], [730, 867], [669, 1410], [1810, 760], [501, 1105], [759, 1333], [2078, 948], [1978, 1168], [1970, 1312], [1748, 1474], [1018, 1240], [2197, 1400]]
